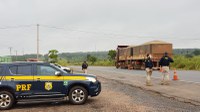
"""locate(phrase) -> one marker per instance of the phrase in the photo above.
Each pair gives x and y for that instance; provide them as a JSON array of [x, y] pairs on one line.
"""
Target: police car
[[43, 82]]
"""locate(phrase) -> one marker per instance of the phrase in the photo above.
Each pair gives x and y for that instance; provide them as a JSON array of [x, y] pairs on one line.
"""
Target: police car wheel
[[6, 100], [78, 95]]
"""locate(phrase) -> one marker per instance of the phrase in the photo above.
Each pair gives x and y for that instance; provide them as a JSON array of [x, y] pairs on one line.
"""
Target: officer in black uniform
[[149, 70], [84, 67], [164, 66]]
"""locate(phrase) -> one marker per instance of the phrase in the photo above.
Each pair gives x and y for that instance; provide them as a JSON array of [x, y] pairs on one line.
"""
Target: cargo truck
[[132, 57]]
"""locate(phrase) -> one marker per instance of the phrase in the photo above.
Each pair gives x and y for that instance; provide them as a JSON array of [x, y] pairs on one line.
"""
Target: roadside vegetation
[[94, 59], [186, 63]]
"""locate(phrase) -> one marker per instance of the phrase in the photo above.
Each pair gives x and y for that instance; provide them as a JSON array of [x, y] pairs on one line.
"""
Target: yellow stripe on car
[[41, 78], [8, 78], [75, 78], [56, 78]]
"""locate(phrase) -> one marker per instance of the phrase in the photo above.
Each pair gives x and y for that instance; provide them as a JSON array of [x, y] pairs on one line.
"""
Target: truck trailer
[[132, 57]]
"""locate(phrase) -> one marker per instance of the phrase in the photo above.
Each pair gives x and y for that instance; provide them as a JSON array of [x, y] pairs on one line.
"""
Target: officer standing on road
[[84, 67], [149, 70], [164, 66]]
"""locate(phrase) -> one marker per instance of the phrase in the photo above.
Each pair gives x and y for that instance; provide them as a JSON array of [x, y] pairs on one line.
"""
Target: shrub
[[186, 63]]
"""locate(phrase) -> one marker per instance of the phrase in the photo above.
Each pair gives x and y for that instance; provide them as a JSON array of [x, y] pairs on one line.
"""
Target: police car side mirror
[[57, 73]]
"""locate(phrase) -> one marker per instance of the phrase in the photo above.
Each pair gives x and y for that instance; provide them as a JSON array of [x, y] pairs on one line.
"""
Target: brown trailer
[[132, 57]]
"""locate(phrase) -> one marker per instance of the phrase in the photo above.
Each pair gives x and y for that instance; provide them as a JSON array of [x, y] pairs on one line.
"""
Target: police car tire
[[72, 90], [11, 100]]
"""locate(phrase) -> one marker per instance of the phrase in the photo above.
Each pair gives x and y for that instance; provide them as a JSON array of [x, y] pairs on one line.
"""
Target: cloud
[[88, 25]]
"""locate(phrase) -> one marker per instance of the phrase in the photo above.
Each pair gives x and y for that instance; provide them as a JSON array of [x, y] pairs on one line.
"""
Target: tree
[[196, 52], [111, 54], [53, 56], [88, 57], [93, 59]]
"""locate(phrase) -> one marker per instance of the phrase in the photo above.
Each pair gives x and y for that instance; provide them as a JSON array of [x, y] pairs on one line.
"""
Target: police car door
[[21, 79], [48, 82]]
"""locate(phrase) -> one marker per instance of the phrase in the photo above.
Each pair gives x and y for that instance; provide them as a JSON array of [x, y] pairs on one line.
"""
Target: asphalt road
[[183, 75]]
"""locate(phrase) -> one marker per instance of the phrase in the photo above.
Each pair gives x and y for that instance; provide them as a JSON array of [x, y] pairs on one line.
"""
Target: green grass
[[185, 63], [104, 63]]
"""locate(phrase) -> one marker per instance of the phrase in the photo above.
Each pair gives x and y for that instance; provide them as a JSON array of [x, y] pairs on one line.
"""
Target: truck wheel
[[6, 100], [78, 95]]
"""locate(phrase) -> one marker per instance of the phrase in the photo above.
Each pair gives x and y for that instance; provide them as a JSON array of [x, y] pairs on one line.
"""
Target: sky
[[96, 25]]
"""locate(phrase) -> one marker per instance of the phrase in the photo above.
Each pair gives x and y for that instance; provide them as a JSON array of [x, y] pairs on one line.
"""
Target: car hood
[[82, 74]]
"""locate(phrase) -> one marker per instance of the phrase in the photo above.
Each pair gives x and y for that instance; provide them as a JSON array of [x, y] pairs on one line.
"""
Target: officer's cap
[[165, 53]]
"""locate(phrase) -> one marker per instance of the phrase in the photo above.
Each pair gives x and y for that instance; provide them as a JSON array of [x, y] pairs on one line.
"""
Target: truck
[[133, 56]]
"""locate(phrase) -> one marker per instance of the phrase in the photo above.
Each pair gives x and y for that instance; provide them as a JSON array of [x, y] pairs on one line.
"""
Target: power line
[[119, 35], [92, 32], [115, 35], [14, 27], [47, 26]]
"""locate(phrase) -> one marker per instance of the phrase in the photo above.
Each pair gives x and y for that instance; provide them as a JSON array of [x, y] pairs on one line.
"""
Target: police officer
[[84, 67], [148, 68], [164, 66]]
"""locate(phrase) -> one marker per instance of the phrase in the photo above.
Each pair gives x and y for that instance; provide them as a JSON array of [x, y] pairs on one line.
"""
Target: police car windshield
[[58, 67]]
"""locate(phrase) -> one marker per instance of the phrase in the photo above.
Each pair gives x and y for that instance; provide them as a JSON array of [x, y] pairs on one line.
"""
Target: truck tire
[[6, 100], [78, 95]]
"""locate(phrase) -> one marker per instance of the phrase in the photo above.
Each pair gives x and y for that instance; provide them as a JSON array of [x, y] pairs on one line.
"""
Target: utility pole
[[95, 49], [37, 41], [10, 51], [23, 51], [23, 54], [16, 55]]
